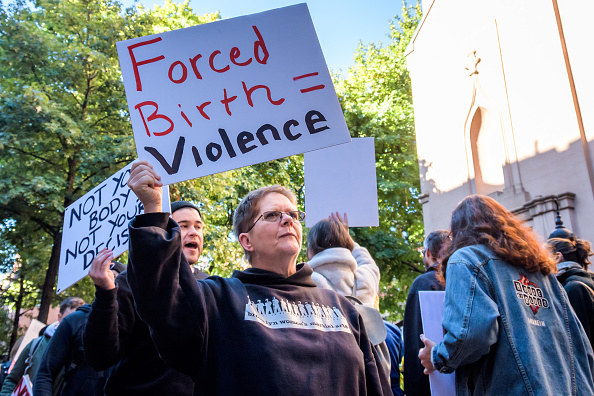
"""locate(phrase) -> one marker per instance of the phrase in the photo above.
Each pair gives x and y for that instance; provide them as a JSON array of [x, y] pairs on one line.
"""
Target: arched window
[[488, 155]]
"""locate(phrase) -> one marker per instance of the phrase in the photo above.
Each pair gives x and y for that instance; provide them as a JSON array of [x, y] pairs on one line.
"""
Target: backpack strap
[[34, 345], [576, 279]]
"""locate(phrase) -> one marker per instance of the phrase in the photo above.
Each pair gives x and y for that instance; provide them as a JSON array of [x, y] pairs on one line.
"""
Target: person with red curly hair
[[508, 325]]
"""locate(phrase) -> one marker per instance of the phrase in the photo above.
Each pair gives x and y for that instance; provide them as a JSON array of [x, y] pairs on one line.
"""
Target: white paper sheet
[[342, 178], [432, 314]]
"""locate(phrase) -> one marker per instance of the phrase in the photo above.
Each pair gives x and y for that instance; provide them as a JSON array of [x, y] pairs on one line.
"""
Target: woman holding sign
[[267, 330], [509, 328]]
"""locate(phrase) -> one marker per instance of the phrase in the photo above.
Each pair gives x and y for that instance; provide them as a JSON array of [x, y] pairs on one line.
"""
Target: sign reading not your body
[[230, 93], [97, 220]]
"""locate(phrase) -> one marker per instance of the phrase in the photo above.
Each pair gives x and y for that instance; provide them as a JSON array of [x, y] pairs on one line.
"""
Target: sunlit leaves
[[377, 101], [64, 124]]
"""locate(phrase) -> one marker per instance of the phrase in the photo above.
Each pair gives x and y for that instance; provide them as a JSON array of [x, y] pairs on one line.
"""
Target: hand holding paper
[[425, 354], [100, 271], [146, 184]]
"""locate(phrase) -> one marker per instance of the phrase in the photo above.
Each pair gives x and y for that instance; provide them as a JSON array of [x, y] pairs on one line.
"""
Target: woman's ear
[[559, 257], [245, 241]]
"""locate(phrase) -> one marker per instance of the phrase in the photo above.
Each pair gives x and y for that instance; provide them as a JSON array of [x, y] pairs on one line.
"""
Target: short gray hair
[[248, 209]]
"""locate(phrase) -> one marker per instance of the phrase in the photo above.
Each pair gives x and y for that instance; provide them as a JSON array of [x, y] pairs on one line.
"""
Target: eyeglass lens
[[276, 214]]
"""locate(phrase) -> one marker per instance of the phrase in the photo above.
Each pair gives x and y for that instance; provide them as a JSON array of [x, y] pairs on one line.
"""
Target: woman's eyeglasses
[[276, 215]]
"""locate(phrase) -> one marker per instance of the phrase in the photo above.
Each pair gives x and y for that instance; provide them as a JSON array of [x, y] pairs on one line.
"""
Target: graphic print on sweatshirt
[[279, 314], [530, 293]]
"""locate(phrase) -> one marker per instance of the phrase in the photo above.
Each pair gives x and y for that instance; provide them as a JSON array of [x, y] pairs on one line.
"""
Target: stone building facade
[[503, 95]]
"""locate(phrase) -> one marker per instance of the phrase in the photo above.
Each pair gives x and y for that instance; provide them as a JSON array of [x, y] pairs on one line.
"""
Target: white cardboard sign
[[431, 303], [97, 220], [342, 179], [24, 387], [230, 93]]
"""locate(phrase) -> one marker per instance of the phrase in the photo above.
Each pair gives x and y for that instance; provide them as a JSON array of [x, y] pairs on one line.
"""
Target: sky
[[340, 24]]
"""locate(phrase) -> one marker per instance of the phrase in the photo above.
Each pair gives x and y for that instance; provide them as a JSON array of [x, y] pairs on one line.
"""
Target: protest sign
[[431, 303], [98, 220], [24, 387], [342, 179], [230, 93]]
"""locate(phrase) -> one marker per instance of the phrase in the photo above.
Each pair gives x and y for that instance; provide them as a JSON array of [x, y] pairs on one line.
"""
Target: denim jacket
[[510, 332]]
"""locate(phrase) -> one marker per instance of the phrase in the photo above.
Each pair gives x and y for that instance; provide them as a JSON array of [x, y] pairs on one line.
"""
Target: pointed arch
[[488, 151]]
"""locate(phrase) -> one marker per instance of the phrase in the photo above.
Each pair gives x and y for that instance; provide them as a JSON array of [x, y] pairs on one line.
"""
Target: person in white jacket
[[342, 265], [339, 263]]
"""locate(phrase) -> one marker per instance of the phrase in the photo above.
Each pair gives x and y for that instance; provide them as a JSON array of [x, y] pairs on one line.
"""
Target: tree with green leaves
[[21, 258], [376, 98], [64, 124]]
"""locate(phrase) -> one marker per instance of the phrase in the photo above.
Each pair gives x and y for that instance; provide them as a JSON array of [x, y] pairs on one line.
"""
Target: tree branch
[[75, 98], [413, 267], [77, 189], [42, 223], [101, 119], [31, 154], [34, 71]]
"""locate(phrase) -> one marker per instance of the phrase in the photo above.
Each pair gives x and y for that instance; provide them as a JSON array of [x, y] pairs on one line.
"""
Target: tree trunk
[[17, 310], [47, 293]]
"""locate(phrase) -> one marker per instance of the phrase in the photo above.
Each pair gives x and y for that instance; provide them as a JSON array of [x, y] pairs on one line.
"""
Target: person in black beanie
[[115, 335]]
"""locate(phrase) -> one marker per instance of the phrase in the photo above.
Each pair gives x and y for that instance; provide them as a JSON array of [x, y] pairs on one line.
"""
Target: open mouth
[[191, 245]]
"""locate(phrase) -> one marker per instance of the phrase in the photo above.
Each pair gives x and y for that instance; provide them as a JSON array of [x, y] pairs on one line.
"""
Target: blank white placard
[[342, 179]]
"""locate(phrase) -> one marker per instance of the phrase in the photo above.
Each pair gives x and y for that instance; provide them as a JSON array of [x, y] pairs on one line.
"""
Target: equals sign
[[314, 88]]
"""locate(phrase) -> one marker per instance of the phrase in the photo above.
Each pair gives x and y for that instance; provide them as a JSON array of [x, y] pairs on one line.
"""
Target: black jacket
[[115, 335], [579, 285], [416, 383], [65, 351], [256, 333]]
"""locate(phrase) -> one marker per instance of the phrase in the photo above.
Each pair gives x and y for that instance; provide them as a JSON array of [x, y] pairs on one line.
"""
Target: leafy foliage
[[64, 125], [376, 98]]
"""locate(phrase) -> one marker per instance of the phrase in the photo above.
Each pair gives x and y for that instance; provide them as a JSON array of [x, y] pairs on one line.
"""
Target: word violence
[[245, 142]]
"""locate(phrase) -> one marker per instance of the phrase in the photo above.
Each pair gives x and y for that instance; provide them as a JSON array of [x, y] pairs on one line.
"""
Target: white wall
[[523, 78]]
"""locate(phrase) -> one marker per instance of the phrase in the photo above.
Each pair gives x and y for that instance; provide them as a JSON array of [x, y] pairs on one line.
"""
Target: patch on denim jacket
[[530, 293]]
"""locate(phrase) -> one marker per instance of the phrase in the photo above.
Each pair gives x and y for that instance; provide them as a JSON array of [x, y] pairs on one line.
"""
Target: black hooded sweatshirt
[[579, 285], [65, 351], [115, 335], [256, 333]]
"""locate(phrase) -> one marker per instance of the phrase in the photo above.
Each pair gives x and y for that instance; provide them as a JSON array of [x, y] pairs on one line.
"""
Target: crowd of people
[[517, 315]]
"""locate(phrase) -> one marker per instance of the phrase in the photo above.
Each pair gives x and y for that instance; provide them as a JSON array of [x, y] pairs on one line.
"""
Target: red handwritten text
[[177, 72]]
